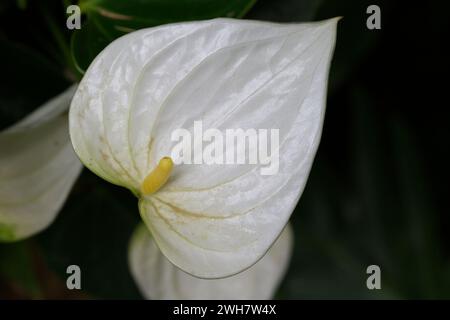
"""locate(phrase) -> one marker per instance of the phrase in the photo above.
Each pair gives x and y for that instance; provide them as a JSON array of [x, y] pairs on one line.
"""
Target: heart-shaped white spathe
[[157, 278], [212, 221], [37, 169]]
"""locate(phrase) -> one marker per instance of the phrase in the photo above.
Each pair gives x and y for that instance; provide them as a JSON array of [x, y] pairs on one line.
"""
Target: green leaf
[[110, 19], [6, 233]]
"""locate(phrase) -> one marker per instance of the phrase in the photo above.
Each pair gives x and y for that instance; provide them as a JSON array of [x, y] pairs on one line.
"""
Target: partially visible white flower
[[157, 278], [37, 169], [211, 221]]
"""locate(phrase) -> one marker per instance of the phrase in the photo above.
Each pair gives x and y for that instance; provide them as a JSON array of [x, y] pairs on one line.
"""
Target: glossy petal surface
[[210, 220]]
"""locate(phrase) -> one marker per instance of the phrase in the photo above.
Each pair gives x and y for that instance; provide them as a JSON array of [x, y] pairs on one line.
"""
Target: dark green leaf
[[110, 19]]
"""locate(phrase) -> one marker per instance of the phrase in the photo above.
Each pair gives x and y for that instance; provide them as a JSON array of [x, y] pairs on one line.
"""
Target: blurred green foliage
[[16, 267], [110, 19], [377, 193]]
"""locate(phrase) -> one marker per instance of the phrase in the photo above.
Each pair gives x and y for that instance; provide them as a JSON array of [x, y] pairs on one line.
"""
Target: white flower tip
[[209, 220]]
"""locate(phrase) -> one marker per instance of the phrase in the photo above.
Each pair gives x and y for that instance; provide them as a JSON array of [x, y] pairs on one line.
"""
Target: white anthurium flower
[[157, 278], [210, 220], [37, 169]]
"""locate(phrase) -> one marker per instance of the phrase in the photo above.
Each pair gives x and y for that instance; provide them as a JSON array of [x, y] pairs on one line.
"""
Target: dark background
[[378, 191]]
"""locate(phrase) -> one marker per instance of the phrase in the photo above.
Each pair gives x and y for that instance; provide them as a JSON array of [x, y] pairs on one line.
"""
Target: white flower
[[43, 137], [211, 221], [37, 169], [157, 278]]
